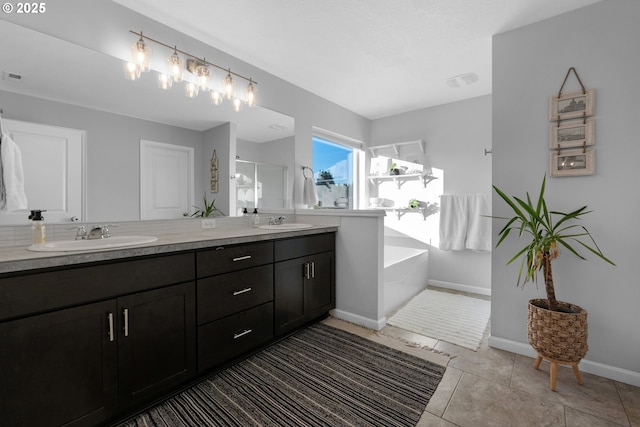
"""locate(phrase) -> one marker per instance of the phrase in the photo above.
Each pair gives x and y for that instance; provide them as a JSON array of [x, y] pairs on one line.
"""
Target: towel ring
[[304, 169]]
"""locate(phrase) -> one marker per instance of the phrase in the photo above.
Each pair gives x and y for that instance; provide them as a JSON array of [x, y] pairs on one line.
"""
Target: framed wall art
[[571, 134], [572, 105], [572, 162]]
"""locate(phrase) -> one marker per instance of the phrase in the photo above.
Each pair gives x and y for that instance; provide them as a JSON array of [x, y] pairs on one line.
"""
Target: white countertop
[[14, 259]]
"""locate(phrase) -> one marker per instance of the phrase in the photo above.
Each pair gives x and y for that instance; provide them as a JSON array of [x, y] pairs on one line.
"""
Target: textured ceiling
[[374, 57]]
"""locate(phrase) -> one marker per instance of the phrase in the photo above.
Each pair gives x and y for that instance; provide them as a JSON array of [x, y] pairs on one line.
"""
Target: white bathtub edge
[[460, 287], [359, 320]]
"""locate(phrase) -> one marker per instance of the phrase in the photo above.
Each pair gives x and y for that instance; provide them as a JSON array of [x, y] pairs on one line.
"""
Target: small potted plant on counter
[[556, 330], [209, 209]]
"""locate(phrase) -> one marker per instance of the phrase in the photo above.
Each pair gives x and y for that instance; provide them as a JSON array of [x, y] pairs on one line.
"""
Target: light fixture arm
[[202, 60]]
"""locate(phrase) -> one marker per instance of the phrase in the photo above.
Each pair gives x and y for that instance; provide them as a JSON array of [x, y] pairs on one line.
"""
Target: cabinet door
[[59, 368], [289, 295], [156, 348], [321, 286]]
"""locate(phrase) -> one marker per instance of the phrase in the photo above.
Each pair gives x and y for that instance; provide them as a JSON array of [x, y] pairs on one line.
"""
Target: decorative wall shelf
[[401, 179], [397, 147], [401, 211]]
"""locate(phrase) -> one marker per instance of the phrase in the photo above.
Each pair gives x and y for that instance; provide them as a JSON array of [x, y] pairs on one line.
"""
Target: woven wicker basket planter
[[558, 335]]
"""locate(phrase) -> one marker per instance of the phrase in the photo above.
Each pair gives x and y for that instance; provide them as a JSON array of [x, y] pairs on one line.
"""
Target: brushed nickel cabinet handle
[[125, 313], [313, 269], [242, 258], [245, 290], [110, 319], [241, 334]]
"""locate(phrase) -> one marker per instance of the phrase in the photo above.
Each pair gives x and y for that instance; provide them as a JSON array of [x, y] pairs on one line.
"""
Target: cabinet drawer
[[225, 294], [50, 290], [224, 259], [227, 338], [303, 246]]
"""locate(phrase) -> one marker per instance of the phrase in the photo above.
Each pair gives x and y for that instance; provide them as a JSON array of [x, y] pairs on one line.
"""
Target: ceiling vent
[[462, 80]]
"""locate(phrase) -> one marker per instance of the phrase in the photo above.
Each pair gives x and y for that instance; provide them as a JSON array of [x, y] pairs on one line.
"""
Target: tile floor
[[493, 387]]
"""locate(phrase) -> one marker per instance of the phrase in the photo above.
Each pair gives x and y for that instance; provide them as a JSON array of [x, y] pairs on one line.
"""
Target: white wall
[[529, 65], [456, 135]]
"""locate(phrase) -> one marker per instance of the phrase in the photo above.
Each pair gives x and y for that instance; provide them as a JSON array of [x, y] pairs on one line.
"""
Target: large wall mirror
[[49, 81]]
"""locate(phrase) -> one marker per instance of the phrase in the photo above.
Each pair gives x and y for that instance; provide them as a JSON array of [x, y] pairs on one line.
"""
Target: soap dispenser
[[37, 227], [256, 218]]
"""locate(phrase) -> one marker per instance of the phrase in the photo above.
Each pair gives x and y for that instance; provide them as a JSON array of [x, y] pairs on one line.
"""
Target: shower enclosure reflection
[[260, 185]]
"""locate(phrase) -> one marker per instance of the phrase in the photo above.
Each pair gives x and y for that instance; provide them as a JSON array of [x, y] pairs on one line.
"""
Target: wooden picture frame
[[572, 105], [572, 162], [570, 134]]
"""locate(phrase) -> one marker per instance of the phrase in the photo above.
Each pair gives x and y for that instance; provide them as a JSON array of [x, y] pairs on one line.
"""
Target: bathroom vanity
[[90, 337]]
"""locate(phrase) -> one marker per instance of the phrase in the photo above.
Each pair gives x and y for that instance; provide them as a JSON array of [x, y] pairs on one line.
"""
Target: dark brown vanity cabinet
[[83, 364], [59, 368], [235, 301], [304, 280], [82, 345]]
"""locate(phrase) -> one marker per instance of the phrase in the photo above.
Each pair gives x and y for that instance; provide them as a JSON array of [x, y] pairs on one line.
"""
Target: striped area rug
[[321, 376], [454, 318]]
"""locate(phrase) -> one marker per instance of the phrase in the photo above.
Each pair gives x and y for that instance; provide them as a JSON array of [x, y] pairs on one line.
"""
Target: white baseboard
[[586, 365], [360, 320], [460, 287]]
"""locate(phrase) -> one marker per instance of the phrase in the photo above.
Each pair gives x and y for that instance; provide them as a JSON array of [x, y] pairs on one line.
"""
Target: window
[[335, 166]]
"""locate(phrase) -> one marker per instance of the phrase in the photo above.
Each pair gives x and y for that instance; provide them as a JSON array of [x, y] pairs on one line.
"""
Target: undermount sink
[[289, 226], [94, 244]]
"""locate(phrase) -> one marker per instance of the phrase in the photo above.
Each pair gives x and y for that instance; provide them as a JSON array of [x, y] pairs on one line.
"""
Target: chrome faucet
[[81, 232], [99, 232]]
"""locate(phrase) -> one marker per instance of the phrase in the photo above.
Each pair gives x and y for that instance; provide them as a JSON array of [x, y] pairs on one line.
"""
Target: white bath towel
[[12, 176], [453, 222], [310, 195], [479, 223]]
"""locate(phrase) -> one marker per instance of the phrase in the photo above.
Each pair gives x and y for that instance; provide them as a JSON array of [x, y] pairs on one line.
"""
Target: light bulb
[[164, 81], [141, 54], [175, 66], [190, 89], [131, 71], [250, 94], [228, 87], [216, 97], [203, 75]]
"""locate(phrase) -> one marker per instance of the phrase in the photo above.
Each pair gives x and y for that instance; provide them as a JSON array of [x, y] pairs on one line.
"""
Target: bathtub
[[406, 270]]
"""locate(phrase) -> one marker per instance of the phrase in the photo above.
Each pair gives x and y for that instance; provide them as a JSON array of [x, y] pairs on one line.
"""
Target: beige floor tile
[[488, 363], [408, 336], [630, 396], [576, 418], [423, 353], [481, 402], [440, 399], [597, 396], [430, 420]]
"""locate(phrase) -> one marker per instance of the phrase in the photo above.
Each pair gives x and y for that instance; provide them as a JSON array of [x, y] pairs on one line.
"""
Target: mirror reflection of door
[[166, 180], [52, 163]]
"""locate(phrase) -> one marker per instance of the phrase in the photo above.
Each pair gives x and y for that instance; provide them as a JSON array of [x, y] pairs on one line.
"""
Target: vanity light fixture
[[164, 81], [175, 66], [141, 54], [228, 88], [131, 71], [190, 89], [199, 68], [216, 97]]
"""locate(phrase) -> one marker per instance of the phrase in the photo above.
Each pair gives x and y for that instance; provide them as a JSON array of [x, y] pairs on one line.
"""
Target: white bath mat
[[454, 318]]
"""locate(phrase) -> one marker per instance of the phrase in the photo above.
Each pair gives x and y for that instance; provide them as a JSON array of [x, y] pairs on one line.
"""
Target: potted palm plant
[[556, 330]]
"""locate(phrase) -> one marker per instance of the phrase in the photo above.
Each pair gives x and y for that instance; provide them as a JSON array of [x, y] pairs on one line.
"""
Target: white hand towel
[[453, 222], [479, 226], [12, 175], [310, 196]]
